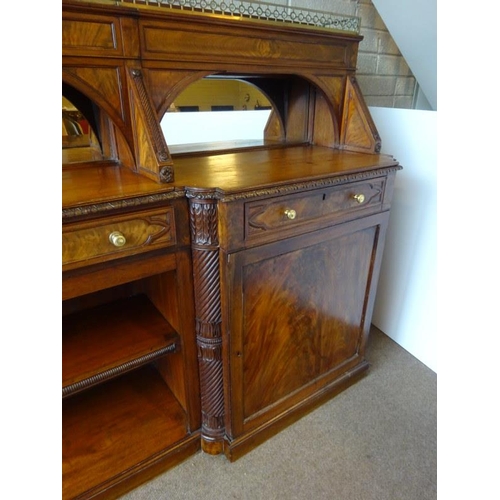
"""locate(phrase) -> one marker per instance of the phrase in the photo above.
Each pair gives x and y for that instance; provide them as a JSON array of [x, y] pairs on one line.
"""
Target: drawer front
[[292, 212], [93, 242]]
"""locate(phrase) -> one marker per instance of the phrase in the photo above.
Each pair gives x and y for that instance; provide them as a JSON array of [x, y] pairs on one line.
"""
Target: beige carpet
[[374, 441]]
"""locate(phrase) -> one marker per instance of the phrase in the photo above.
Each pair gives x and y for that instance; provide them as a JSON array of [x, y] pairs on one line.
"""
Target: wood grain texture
[[268, 216], [110, 339], [97, 442], [205, 254], [303, 326], [89, 242], [97, 34], [270, 314], [315, 319], [249, 171]]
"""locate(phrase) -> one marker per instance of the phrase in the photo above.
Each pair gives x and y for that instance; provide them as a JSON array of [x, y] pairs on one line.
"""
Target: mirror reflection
[[211, 114], [214, 113], [79, 142]]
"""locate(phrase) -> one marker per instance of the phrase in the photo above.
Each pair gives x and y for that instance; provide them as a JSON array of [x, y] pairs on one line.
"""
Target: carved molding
[[167, 174], [202, 194], [304, 186], [113, 372], [159, 144], [103, 208]]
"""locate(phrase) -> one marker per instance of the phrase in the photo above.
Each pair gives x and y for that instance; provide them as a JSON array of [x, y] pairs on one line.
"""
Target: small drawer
[[329, 205], [93, 242]]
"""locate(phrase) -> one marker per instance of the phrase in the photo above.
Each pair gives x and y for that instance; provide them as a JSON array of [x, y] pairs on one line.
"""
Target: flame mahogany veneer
[[210, 299]]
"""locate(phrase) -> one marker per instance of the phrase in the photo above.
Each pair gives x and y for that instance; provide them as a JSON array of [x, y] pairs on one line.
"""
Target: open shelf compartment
[[113, 431], [97, 342]]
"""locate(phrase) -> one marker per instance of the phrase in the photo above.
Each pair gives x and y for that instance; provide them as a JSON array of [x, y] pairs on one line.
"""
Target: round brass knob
[[360, 198], [290, 213], [117, 239]]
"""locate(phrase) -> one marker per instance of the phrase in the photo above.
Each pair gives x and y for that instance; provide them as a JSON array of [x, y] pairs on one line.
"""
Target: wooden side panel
[[173, 296], [297, 123], [328, 110], [333, 88], [358, 130], [325, 132], [154, 159]]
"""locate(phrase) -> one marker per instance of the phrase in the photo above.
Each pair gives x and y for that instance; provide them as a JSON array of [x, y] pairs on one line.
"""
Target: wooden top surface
[[226, 173]]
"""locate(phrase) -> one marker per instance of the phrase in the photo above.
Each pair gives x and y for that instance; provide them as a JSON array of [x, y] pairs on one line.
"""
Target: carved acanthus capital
[[203, 219]]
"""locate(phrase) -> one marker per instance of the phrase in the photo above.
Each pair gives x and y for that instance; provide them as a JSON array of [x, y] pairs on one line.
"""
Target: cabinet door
[[298, 311]]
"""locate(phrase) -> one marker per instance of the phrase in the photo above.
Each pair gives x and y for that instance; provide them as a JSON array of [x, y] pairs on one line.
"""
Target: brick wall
[[383, 74]]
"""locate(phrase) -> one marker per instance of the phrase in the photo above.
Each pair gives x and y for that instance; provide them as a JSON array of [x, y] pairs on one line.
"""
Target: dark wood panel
[[298, 317], [102, 276], [110, 339], [235, 448], [115, 426], [302, 320]]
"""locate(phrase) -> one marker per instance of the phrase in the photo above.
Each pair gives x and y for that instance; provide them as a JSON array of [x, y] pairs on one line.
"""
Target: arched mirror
[[217, 113]]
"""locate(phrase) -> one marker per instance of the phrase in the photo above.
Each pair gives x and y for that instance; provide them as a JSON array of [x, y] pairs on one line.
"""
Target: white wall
[[413, 26], [405, 308]]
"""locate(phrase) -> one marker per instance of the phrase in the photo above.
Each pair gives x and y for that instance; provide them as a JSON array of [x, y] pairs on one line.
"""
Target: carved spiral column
[[205, 252]]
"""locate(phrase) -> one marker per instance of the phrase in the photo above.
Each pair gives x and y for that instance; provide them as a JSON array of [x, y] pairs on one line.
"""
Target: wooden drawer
[[307, 210], [98, 241]]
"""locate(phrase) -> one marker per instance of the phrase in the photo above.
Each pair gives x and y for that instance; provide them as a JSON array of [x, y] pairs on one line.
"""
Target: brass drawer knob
[[290, 213], [117, 239], [360, 198]]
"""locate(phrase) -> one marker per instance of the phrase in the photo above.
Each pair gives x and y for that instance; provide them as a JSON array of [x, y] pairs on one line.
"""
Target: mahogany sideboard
[[210, 298]]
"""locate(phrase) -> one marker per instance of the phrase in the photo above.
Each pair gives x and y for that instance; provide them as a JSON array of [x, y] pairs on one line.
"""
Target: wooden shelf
[[109, 340], [118, 428]]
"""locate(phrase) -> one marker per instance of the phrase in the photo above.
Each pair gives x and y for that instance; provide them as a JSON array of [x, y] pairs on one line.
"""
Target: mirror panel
[[217, 113], [79, 141]]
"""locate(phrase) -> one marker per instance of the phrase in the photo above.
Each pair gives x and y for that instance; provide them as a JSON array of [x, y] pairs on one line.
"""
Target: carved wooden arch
[[100, 100], [328, 88], [355, 129], [165, 85], [88, 88]]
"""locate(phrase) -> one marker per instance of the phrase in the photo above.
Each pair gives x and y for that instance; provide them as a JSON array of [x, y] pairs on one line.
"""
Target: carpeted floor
[[374, 441]]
